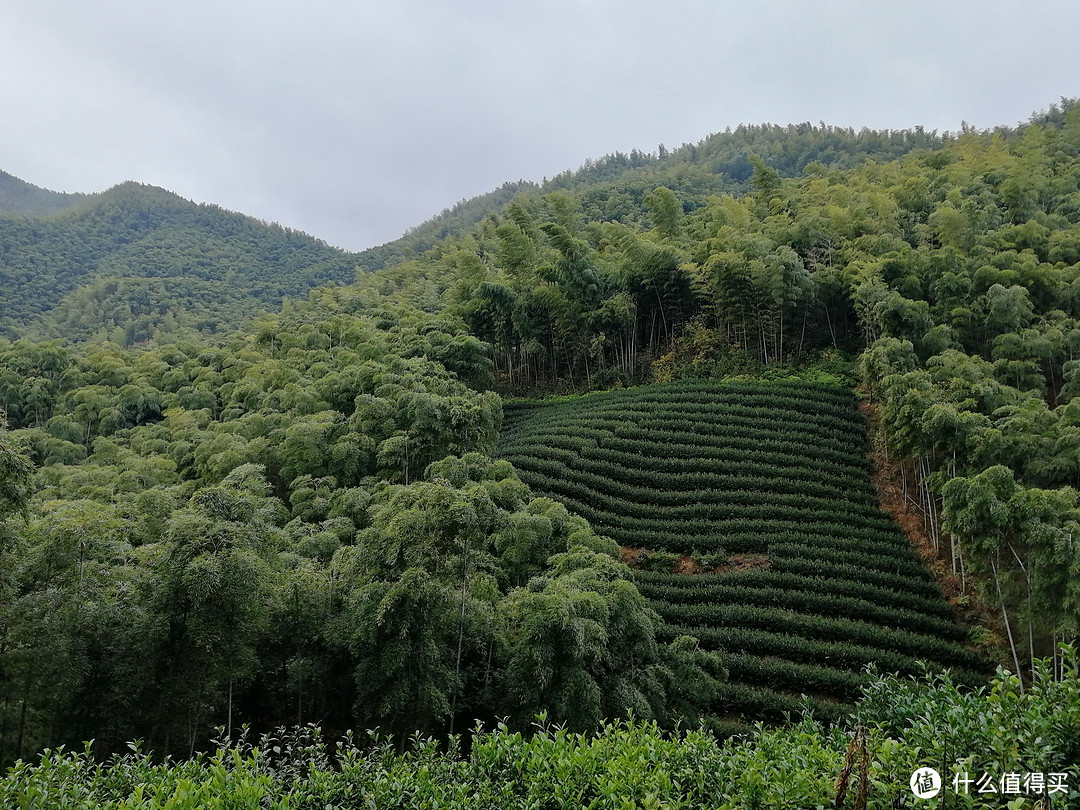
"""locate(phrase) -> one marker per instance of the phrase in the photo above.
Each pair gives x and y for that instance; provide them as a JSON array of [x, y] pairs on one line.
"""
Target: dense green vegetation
[[137, 262], [572, 292], [776, 471], [304, 523], [615, 186], [902, 725], [303, 520], [953, 268]]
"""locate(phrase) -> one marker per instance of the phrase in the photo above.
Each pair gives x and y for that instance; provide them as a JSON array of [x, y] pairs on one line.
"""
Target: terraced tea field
[[768, 485]]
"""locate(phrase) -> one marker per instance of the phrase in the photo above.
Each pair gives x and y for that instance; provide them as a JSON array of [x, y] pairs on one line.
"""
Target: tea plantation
[[794, 572]]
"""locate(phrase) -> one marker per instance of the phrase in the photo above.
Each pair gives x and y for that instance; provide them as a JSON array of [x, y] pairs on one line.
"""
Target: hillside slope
[[613, 188], [187, 267], [289, 462], [137, 261], [767, 486], [19, 197]]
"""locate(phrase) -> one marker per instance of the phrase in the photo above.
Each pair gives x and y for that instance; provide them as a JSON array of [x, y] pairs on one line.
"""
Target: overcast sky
[[355, 120]]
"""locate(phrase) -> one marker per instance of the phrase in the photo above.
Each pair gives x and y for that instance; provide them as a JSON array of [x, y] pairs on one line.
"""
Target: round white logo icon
[[926, 783]]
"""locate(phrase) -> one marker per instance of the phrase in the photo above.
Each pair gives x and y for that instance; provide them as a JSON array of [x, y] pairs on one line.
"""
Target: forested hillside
[[137, 263], [614, 186], [306, 519], [305, 523], [952, 271], [19, 197]]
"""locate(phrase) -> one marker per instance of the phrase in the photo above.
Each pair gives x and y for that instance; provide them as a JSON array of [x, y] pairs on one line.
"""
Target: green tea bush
[[898, 725], [778, 470]]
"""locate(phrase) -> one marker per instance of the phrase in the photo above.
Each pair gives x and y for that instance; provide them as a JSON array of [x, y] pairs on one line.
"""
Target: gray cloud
[[356, 120]]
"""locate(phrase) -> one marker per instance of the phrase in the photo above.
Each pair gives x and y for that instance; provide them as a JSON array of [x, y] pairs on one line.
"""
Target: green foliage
[[302, 520], [903, 724], [582, 649], [137, 263], [775, 470], [305, 523], [15, 474], [191, 501]]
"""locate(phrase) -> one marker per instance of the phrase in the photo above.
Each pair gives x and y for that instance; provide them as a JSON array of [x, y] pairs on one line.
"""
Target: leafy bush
[[898, 726]]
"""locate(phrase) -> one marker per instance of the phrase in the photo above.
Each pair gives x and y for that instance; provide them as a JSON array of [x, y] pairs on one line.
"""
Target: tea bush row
[[771, 579], [823, 628], [811, 602], [836, 654]]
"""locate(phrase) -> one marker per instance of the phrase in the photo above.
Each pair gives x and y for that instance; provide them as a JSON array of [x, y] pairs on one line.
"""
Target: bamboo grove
[[303, 525]]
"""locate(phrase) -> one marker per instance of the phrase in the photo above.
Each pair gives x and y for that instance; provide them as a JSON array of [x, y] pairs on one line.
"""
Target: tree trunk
[[1008, 627], [461, 633], [22, 728]]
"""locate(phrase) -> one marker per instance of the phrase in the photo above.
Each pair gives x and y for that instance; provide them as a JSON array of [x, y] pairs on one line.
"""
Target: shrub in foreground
[[899, 725]]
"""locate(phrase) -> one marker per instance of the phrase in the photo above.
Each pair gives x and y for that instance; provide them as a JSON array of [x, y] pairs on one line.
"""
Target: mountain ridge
[[61, 254], [97, 268], [20, 197]]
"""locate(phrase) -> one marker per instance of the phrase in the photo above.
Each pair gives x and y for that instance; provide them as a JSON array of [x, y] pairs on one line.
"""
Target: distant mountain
[[19, 197], [138, 262]]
